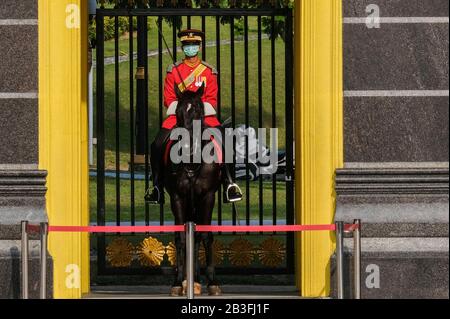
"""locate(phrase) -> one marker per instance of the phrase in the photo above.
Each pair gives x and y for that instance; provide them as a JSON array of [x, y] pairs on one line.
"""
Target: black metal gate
[[256, 89]]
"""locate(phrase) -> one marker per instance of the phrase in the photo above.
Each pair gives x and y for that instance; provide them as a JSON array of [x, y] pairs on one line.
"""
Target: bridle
[[193, 172]]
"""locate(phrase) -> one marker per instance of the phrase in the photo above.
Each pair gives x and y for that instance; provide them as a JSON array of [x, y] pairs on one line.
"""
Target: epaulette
[[170, 68], [213, 69]]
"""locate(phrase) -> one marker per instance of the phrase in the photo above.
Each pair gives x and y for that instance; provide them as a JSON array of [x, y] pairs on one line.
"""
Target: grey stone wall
[[18, 82], [396, 133], [404, 213], [396, 57], [22, 186]]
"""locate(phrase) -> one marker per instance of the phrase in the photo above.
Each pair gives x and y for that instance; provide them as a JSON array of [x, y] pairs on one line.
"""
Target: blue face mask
[[191, 50]]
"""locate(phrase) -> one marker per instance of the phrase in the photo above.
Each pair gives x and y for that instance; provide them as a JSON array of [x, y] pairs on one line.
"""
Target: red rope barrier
[[351, 227], [198, 228], [265, 228], [33, 228], [118, 229]]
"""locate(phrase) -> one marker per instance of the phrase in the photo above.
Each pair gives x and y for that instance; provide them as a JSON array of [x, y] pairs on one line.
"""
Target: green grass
[[154, 214], [167, 31]]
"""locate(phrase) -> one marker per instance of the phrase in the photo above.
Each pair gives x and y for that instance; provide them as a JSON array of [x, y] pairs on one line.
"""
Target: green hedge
[[109, 27]]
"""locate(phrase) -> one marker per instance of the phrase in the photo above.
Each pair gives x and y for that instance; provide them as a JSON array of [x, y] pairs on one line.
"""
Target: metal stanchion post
[[357, 259], [24, 259], [340, 258], [190, 231], [43, 235]]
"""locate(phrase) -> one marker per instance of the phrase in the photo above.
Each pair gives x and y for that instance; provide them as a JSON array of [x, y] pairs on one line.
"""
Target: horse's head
[[190, 107]]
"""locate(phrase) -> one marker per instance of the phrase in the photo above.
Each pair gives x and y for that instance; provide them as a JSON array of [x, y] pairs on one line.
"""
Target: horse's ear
[[201, 90], [177, 91]]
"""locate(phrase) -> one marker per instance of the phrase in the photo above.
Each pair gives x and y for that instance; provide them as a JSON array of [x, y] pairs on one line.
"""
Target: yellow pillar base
[[319, 134], [63, 137]]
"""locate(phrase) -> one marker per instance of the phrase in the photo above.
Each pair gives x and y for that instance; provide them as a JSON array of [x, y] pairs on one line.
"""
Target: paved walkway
[[162, 292]]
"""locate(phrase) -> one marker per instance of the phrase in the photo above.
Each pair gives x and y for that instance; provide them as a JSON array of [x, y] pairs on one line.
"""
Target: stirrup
[[238, 193], [155, 197]]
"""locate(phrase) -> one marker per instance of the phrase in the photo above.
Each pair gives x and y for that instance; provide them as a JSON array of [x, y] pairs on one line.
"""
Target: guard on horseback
[[189, 74]]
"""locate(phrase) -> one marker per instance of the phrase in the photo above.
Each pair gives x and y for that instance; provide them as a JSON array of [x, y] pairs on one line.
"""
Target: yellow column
[[319, 134], [63, 137]]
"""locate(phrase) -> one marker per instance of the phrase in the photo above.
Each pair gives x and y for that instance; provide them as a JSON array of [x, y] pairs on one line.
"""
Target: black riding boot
[[231, 191], [156, 195]]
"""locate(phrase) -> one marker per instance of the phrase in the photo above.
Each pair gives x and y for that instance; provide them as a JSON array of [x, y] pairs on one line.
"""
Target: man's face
[[191, 49]]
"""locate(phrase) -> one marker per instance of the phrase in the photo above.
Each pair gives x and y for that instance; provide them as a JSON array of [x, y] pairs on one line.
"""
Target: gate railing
[[141, 120], [190, 229]]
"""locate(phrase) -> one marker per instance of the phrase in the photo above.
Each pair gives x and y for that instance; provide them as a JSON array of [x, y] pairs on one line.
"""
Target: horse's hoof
[[214, 291], [197, 288], [176, 291]]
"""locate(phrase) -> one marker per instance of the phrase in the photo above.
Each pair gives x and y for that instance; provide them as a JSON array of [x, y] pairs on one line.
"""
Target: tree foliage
[[278, 29]]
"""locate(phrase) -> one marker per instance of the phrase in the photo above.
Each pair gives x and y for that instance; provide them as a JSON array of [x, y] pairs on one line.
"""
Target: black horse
[[192, 188]]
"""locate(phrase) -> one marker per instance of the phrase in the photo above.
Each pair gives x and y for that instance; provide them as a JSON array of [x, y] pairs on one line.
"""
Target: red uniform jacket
[[193, 77]]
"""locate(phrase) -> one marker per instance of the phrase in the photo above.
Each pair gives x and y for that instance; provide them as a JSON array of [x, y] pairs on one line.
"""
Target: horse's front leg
[[178, 209], [208, 239], [213, 284], [198, 240], [180, 244], [197, 284]]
